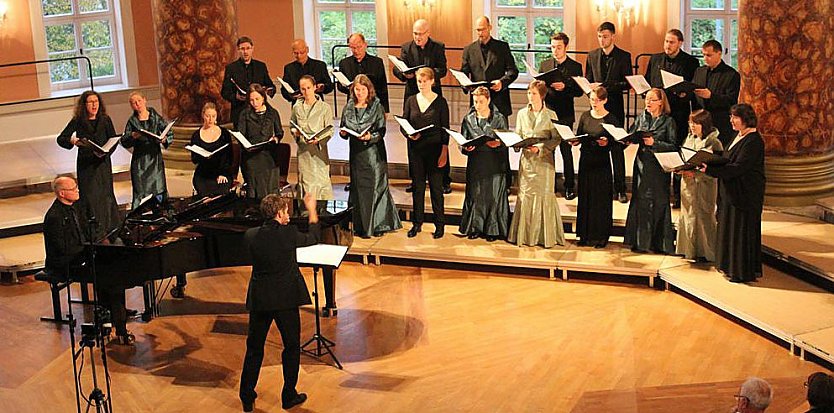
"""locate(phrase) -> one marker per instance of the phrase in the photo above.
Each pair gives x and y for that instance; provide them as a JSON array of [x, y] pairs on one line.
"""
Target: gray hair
[[758, 392]]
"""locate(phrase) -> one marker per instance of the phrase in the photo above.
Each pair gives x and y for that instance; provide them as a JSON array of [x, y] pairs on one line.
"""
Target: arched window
[[712, 19], [336, 19]]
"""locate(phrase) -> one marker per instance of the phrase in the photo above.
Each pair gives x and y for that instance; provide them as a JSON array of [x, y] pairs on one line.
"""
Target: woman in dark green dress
[[259, 123], [374, 212], [649, 222], [147, 170], [486, 209]]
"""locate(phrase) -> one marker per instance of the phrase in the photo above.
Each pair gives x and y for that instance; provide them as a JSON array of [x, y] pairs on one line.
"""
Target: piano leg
[[149, 296]]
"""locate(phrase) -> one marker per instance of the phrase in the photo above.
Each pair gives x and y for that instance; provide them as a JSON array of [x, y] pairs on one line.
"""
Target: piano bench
[[56, 284]]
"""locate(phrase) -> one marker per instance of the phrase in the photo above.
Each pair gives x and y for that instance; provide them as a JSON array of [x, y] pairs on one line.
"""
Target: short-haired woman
[[428, 150], [147, 169]]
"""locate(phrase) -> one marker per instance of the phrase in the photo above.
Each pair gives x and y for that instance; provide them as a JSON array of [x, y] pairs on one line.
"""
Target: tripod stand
[[322, 343]]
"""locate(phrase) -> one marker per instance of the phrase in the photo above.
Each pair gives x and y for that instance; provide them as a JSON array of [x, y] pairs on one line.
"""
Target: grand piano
[[158, 240]]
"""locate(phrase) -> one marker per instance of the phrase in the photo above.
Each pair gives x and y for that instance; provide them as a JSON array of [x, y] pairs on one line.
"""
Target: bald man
[[305, 65], [65, 231], [424, 51], [360, 61], [489, 59]]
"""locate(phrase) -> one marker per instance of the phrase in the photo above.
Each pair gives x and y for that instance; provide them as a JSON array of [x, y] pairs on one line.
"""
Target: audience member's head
[[754, 396], [820, 391]]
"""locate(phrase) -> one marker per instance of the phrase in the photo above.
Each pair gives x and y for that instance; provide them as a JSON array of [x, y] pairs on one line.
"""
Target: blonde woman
[[147, 169], [312, 114]]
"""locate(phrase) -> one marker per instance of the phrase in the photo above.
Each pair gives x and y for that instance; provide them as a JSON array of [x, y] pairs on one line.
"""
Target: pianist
[[276, 290], [64, 233]]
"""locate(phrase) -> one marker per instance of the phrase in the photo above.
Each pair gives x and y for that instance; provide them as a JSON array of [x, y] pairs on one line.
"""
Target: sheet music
[[341, 78], [321, 254], [401, 65], [639, 84], [355, 133], [584, 84], [465, 81], [509, 138], [111, 142], [670, 79], [457, 136], [669, 161], [202, 152], [616, 133], [530, 69], [161, 136], [243, 141], [286, 85], [408, 128]]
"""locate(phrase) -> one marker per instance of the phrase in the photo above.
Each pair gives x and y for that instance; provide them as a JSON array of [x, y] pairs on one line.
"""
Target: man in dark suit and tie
[[674, 60], [721, 84], [276, 290], [424, 51], [609, 65], [240, 74], [559, 98], [488, 59], [305, 65]]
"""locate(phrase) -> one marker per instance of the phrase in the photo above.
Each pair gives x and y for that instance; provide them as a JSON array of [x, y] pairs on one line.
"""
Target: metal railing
[[334, 64], [35, 62]]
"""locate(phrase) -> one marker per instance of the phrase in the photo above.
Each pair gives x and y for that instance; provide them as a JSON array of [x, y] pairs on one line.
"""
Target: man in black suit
[[609, 65], [721, 84], [677, 61], [559, 98], [361, 62], [64, 234], [489, 59], [304, 65], [425, 51], [240, 74], [276, 290]]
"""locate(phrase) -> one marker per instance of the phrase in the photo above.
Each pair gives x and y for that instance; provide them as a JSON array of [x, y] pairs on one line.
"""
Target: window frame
[[113, 18], [530, 12], [348, 7], [728, 14]]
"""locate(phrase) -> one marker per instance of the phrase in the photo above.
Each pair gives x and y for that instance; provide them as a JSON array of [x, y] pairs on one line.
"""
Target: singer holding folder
[[429, 150], [94, 170], [312, 115], [486, 209], [374, 212], [649, 221], [147, 169], [697, 224], [536, 220], [594, 209], [214, 175], [260, 123], [276, 290]]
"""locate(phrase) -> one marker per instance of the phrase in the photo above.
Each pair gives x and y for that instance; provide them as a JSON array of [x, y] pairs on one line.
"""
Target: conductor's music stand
[[321, 255]]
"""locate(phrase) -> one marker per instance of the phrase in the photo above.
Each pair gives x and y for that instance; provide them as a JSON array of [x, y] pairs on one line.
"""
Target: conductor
[[276, 290]]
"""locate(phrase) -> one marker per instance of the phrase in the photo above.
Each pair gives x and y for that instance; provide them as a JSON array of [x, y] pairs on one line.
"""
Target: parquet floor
[[415, 339]]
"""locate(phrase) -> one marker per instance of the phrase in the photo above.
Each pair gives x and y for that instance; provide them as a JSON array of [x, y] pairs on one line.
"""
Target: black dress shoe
[[248, 407], [472, 235], [379, 233], [438, 233], [582, 243], [415, 229], [409, 188], [131, 313], [623, 198], [325, 312], [364, 236], [491, 238], [601, 244], [447, 189], [347, 187], [569, 194], [289, 404]]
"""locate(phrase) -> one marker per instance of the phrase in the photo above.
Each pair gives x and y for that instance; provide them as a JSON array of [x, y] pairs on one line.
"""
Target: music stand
[[318, 256]]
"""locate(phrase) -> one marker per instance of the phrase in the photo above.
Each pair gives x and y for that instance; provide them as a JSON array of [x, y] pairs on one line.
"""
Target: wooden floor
[[416, 339]]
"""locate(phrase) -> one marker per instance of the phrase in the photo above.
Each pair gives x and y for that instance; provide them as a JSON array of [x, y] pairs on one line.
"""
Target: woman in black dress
[[593, 214], [259, 123], [428, 150], [94, 170], [649, 223], [486, 209], [214, 175], [741, 186]]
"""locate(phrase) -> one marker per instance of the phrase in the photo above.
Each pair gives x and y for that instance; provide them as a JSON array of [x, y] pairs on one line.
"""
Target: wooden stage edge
[[807, 326]]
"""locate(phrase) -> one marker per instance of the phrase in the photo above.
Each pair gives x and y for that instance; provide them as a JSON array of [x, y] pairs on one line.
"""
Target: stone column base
[[798, 181]]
